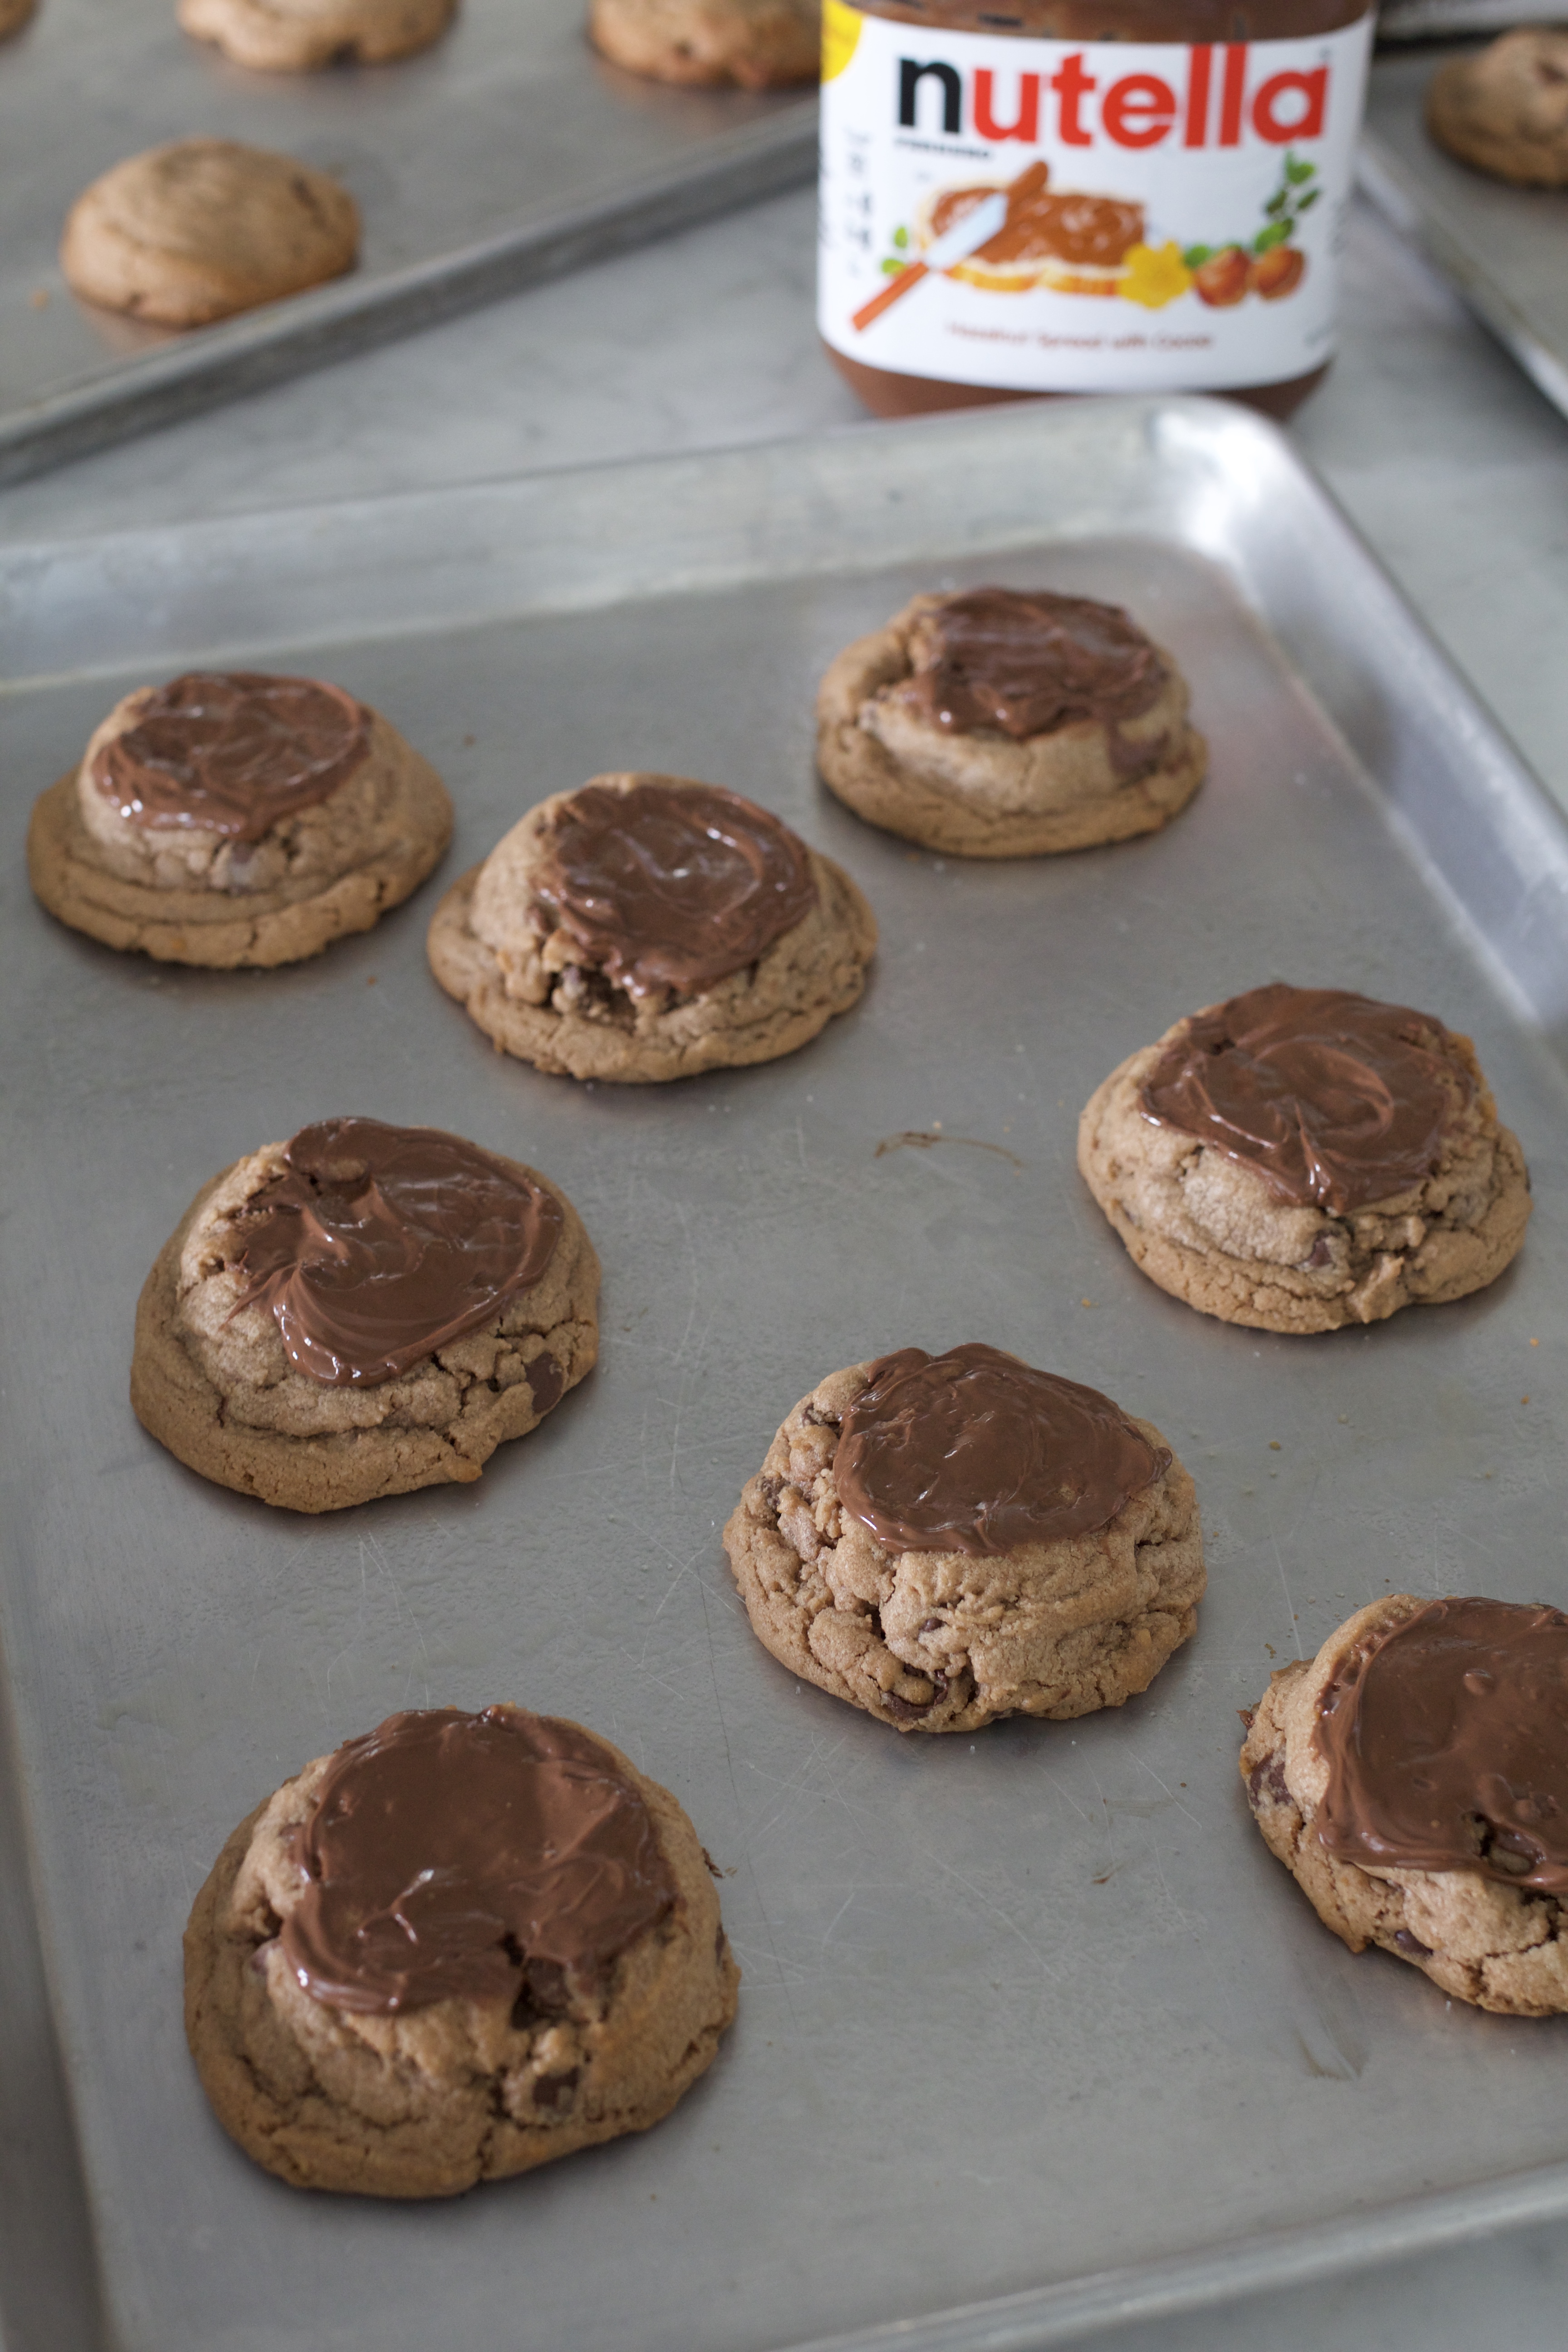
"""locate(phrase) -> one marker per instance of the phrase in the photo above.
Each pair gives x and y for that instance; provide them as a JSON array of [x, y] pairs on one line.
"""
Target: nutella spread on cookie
[[671, 885], [976, 1452], [1445, 1737], [1331, 1097], [1028, 662], [378, 1244], [233, 753], [451, 1855]]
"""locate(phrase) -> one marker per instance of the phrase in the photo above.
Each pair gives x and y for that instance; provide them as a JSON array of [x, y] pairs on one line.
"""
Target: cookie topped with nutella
[[460, 1946], [1298, 1159], [1414, 1779], [363, 1310], [649, 927], [943, 1540], [235, 817], [1001, 722]]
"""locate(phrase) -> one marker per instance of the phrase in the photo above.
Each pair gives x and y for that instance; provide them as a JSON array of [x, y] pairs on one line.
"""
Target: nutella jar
[[1027, 196]]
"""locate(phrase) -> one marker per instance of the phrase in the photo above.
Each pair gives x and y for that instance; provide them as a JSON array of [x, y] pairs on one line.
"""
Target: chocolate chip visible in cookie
[[754, 44], [459, 1947], [647, 927], [945, 1540], [1413, 1777], [1298, 1159], [1505, 111], [233, 818], [998, 723], [360, 1311], [299, 35], [203, 228]]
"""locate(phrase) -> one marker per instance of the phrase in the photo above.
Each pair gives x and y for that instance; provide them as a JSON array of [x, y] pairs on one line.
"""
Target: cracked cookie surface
[[194, 896], [301, 36], [431, 2100], [1498, 1946], [944, 1641], [750, 44], [1209, 1230], [1505, 111], [211, 1379]]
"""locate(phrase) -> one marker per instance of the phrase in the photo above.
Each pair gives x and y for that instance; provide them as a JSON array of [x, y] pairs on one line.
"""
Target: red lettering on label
[[1025, 124], [1312, 88], [1072, 84], [1196, 131], [1232, 94], [1140, 109]]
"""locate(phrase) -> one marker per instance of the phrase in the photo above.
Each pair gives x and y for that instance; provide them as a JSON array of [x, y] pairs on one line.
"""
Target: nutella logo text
[[1220, 103]]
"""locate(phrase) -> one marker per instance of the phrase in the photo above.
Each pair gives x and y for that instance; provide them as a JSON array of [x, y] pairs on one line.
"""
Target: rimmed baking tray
[[1034, 2033], [1505, 248], [507, 153]]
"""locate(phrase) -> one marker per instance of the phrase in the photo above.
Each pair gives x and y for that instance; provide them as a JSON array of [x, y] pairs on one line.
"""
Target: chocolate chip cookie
[[360, 1311], [1413, 1777], [647, 927], [751, 43], [1298, 1159], [1505, 111], [232, 818], [459, 1947], [299, 35], [1002, 724], [946, 1539], [203, 228]]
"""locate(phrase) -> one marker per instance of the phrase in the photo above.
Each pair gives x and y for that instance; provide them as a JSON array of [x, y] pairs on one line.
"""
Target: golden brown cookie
[[757, 44], [1413, 1777], [946, 1540], [1505, 111], [1301, 1159], [647, 927], [298, 36], [459, 1947], [203, 228], [233, 818], [999, 724], [14, 15], [362, 1311]]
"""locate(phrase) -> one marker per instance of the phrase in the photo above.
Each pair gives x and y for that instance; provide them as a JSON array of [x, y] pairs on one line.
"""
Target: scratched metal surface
[[1017, 2012], [507, 153]]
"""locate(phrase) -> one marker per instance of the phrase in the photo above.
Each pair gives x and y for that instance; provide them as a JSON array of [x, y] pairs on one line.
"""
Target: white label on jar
[[1149, 215]]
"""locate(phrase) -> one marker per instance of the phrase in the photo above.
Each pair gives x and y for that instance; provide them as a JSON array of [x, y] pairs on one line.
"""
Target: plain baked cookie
[[647, 927], [360, 1311], [1506, 111], [1000, 724], [298, 35], [943, 1540], [1413, 1777], [758, 44], [203, 228], [233, 819], [1301, 1159], [461, 1945]]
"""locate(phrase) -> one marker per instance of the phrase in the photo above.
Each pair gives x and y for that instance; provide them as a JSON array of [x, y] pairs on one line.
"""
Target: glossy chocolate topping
[[1333, 1098], [976, 1452], [671, 885], [472, 1856], [379, 1244], [1026, 664], [1093, 232], [1446, 1744], [233, 753]]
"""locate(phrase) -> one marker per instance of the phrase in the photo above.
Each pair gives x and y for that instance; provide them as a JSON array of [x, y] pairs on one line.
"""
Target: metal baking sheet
[[507, 153], [1450, 20], [1505, 248], [1033, 2031]]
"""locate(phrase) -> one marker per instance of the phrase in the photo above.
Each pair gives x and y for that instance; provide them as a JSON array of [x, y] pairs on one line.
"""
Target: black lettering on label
[[910, 77]]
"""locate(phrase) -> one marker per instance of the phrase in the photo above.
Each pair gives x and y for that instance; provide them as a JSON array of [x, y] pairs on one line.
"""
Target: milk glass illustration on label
[[1092, 216]]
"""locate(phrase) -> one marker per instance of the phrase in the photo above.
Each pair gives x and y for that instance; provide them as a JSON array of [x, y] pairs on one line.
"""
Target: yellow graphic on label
[[1154, 274], [841, 32]]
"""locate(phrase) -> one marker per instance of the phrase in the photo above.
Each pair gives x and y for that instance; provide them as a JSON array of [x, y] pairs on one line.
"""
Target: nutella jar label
[[1083, 216]]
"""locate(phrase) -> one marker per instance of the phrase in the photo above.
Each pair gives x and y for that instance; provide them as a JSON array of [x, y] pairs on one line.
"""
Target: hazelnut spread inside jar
[[1030, 197]]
